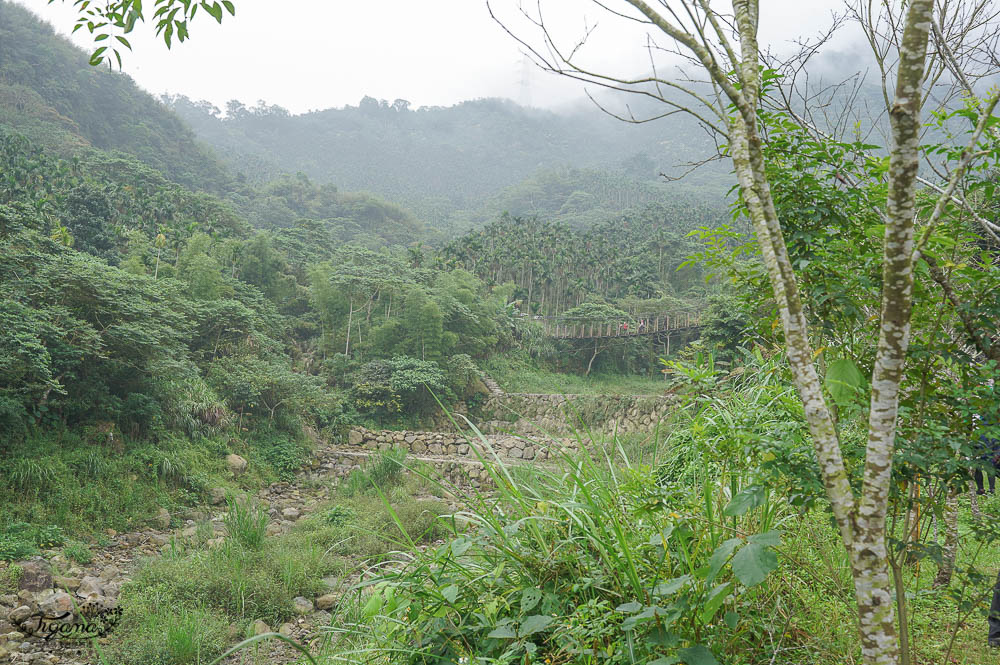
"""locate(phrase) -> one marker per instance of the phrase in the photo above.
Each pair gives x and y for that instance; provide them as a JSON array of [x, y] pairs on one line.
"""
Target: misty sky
[[316, 54]]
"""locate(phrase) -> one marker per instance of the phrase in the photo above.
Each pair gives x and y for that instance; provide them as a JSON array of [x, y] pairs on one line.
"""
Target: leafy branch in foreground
[[109, 21]]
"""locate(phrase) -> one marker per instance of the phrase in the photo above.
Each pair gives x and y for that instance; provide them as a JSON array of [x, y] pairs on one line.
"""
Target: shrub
[[77, 551], [246, 523], [284, 454], [9, 578], [13, 548], [339, 515], [19, 540]]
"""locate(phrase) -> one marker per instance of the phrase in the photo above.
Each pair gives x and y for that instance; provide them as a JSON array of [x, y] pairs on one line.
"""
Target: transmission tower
[[525, 97]]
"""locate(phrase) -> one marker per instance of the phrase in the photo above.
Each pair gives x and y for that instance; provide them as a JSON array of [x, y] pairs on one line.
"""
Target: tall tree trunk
[[350, 313], [950, 549]]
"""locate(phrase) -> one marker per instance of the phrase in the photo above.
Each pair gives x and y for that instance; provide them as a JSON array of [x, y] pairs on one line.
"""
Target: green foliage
[[246, 522], [530, 578], [381, 472], [284, 454], [78, 552], [339, 515], [19, 540], [232, 585], [10, 575], [556, 268]]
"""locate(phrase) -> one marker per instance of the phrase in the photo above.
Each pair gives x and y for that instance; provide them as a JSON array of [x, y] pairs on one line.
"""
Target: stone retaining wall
[[557, 413], [458, 472], [451, 444]]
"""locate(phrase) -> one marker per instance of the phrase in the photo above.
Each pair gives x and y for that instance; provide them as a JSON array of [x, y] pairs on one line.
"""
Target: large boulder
[[19, 614], [236, 464], [90, 587], [162, 518], [302, 605], [326, 601], [35, 575], [57, 604], [217, 496]]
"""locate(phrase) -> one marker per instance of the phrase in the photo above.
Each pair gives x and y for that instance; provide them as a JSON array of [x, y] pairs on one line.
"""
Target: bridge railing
[[569, 329]]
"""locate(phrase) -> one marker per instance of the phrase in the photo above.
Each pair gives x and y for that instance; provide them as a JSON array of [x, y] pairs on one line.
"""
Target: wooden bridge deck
[[663, 324]]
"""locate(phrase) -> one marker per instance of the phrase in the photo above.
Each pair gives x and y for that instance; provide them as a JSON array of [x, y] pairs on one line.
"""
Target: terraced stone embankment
[[548, 415], [457, 457]]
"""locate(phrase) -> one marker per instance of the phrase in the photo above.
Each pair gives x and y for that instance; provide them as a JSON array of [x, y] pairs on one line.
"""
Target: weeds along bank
[[713, 546]]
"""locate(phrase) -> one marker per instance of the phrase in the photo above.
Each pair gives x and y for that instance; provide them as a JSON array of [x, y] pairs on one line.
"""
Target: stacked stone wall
[[451, 444], [559, 413]]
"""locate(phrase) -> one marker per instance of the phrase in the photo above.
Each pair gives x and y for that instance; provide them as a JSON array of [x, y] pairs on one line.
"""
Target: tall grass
[[246, 522], [382, 471]]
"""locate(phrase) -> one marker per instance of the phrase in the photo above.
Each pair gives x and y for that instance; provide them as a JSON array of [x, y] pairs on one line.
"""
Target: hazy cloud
[[314, 54]]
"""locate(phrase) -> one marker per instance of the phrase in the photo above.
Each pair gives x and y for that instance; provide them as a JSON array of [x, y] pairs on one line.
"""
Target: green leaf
[[95, 59], [666, 588], [767, 539], [628, 608], [749, 498], [373, 606], [534, 624], [450, 593], [215, 9], [503, 631], [460, 546], [714, 601], [660, 539], [697, 655], [752, 563], [843, 380], [721, 555], [731, 619], [529, 599]]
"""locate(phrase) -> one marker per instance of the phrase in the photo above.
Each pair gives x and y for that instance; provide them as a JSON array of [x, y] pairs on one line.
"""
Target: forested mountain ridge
[[460, 166]]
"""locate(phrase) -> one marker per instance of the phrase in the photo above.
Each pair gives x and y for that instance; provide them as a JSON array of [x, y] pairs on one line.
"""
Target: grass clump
[[516, 374], [246, 523], [78, 552], [10, 575], [381, 472], [62, 478]]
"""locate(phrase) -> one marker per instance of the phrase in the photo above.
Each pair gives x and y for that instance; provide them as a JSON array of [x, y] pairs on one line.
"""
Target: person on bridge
[[642, 325]]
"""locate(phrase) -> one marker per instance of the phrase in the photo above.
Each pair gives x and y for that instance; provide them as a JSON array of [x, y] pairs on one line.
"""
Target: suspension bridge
[[661, 325]]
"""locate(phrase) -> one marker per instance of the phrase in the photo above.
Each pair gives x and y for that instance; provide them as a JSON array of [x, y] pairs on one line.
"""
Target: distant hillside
[[452, 165], [50, 93]]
